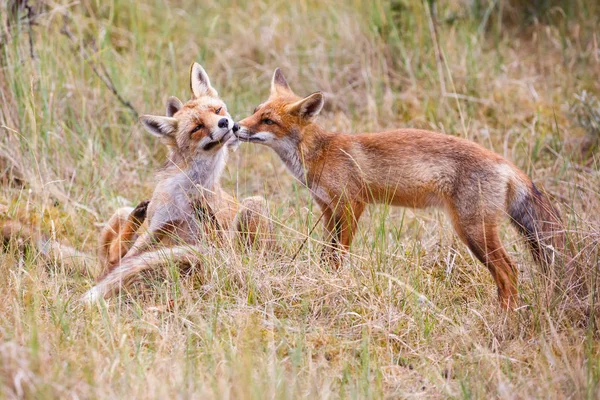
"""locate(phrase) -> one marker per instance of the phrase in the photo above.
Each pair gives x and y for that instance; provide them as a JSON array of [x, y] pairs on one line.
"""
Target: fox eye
[[197, 128], [218, 111], [268, 121]]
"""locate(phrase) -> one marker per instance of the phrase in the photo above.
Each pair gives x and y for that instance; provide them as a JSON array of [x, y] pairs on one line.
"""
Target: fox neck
[[204, 171], [301, 150]]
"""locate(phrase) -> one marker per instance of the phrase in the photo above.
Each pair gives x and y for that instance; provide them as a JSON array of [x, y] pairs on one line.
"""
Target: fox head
[[200, 127], [280, 121]]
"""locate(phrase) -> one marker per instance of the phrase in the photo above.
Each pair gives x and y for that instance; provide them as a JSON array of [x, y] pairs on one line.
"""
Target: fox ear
[[173, 105], [309, 107], [162, 127], [278, 82], [199, 82]]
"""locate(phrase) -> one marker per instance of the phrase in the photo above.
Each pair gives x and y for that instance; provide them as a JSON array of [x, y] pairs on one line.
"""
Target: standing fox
[[188, 194], [410, 168]]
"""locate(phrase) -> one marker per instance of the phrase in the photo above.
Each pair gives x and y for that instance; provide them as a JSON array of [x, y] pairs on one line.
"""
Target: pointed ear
[[162, 127], [309, 107], [199, 82], [278, 83], [173, 105]]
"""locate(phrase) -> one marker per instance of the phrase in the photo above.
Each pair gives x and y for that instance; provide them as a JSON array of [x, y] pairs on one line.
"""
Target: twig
[[307, 237], [98, 68], [432, 20], [18, 10], [441, 60], [468, 98], [30, 23]]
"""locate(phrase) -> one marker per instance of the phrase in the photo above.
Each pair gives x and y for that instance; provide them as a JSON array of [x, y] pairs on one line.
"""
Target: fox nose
[[223, 123], [236, 127]]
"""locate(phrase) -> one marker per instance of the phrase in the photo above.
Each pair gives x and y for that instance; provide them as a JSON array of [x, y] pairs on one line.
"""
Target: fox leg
[[329, 253], [340, 226], [120, 233], [110, 233], [483, 240], [349, 221], [252, 222], [146, 241]]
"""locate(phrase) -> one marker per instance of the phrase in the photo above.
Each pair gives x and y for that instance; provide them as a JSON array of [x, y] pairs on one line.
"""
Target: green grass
[[413, 314]]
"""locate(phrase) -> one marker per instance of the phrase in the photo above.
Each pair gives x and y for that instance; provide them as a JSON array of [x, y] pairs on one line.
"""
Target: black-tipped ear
[[199, 82], [278, 82], [173, 105], [162, 127], [309, 107]]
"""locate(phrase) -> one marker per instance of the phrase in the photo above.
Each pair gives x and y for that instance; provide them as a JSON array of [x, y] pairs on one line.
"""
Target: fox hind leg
[[252, 223], [120, 233], [484, 241]]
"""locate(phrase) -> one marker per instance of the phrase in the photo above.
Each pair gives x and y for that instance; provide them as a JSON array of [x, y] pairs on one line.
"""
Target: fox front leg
[[149, 239], [340, 226], [330, 255]]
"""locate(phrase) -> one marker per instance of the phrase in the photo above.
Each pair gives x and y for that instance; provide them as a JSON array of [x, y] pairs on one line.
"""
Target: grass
[[412, 315]]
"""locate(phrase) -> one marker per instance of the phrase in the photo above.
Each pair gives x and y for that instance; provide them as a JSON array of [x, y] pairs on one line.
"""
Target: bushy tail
[[130, 267], [539, 222]]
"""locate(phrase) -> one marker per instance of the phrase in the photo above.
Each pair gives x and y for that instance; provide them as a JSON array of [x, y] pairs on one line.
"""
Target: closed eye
[[197, 128], [218, 111]]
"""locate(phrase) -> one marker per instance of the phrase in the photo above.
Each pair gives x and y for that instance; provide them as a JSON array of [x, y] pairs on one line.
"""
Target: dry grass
[[412, 315]]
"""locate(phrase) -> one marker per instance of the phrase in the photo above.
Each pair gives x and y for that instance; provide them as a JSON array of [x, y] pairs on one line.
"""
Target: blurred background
[[519, 77]]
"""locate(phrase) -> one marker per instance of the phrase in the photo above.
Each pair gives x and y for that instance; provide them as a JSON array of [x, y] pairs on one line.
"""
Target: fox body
[[406, 167], [188, 197]]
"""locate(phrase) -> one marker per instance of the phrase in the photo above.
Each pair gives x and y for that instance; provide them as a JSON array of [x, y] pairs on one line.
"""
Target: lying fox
[[188, 194], [410, 168]]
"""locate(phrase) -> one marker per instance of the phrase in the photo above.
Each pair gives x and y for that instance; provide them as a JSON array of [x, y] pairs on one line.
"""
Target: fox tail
[[538, 221], [130, 267]]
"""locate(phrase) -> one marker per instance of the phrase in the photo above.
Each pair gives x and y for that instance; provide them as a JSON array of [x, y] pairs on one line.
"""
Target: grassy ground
[[412, 315]]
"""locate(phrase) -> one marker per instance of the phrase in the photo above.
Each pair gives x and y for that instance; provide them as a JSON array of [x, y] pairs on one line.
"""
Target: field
[[411, 315]]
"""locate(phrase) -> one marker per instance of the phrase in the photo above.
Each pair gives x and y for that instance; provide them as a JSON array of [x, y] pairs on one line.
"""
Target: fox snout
[[242, 132], [224, 126], [218, 136], [223, 123], [247, 135]]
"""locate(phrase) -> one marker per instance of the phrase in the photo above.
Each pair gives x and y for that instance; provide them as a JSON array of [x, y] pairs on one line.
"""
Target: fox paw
[[140, 211], [331, 258]]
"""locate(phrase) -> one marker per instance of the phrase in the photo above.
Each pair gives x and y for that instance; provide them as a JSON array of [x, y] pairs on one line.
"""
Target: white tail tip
[[92, 296]]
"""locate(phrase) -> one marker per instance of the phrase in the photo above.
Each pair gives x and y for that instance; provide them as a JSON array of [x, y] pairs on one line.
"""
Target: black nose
[[236, 127], [223, 123]]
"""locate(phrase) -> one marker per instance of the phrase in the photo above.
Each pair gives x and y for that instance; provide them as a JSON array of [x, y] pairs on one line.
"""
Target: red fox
[[188, 194], [411, 168]]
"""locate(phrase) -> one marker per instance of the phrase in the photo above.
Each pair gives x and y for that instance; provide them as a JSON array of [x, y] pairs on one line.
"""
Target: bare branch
[[98, 68]]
